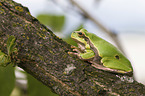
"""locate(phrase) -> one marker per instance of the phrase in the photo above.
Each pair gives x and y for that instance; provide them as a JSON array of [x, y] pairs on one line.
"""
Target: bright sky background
[[124, 16]]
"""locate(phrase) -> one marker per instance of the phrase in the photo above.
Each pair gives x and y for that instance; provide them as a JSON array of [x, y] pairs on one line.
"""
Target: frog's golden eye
[[80, 34], [117, 57]]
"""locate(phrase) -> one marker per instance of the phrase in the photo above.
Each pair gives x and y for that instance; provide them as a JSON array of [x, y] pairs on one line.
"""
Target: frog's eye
[[80, 33], [117, 57]]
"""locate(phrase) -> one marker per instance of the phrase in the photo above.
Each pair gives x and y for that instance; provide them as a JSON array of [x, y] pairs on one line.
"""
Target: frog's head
[[80, 35], [76, 36]]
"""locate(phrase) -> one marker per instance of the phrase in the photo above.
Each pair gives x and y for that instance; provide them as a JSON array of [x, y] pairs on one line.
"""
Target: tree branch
[[44, 56]]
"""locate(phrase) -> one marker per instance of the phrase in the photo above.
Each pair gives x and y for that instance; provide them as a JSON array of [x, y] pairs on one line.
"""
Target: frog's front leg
[[88, 55], [76, 51], [83, 55]]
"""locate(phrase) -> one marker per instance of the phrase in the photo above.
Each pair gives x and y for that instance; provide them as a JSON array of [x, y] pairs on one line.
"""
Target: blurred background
[[125, 18]]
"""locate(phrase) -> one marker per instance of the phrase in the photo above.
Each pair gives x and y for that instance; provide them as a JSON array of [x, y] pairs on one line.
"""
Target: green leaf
[[36, 88], [4, 60], [55, 22], [11, 44], [7, 80]]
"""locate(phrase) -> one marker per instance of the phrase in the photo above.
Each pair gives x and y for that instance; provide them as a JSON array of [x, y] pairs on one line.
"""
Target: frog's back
[[104, 47], [111, 57]]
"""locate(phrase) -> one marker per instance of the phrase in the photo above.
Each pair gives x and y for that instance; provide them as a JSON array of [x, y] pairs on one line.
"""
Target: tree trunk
[[45, 57]]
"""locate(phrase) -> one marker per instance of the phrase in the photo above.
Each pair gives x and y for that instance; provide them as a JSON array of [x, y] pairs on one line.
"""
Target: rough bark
[[44, 56]]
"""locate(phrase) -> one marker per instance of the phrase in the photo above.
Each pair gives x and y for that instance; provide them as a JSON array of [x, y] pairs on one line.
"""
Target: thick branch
[[44, 56]]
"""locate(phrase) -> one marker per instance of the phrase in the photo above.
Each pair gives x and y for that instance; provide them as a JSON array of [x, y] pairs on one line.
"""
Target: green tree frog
[[102, 54], [5, 59]]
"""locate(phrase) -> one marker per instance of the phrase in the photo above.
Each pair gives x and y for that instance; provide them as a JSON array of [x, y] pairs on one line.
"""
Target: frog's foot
[[72, 53], [76, 49]]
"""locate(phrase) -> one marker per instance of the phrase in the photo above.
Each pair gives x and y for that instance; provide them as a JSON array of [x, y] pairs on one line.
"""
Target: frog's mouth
[[76, 40]]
